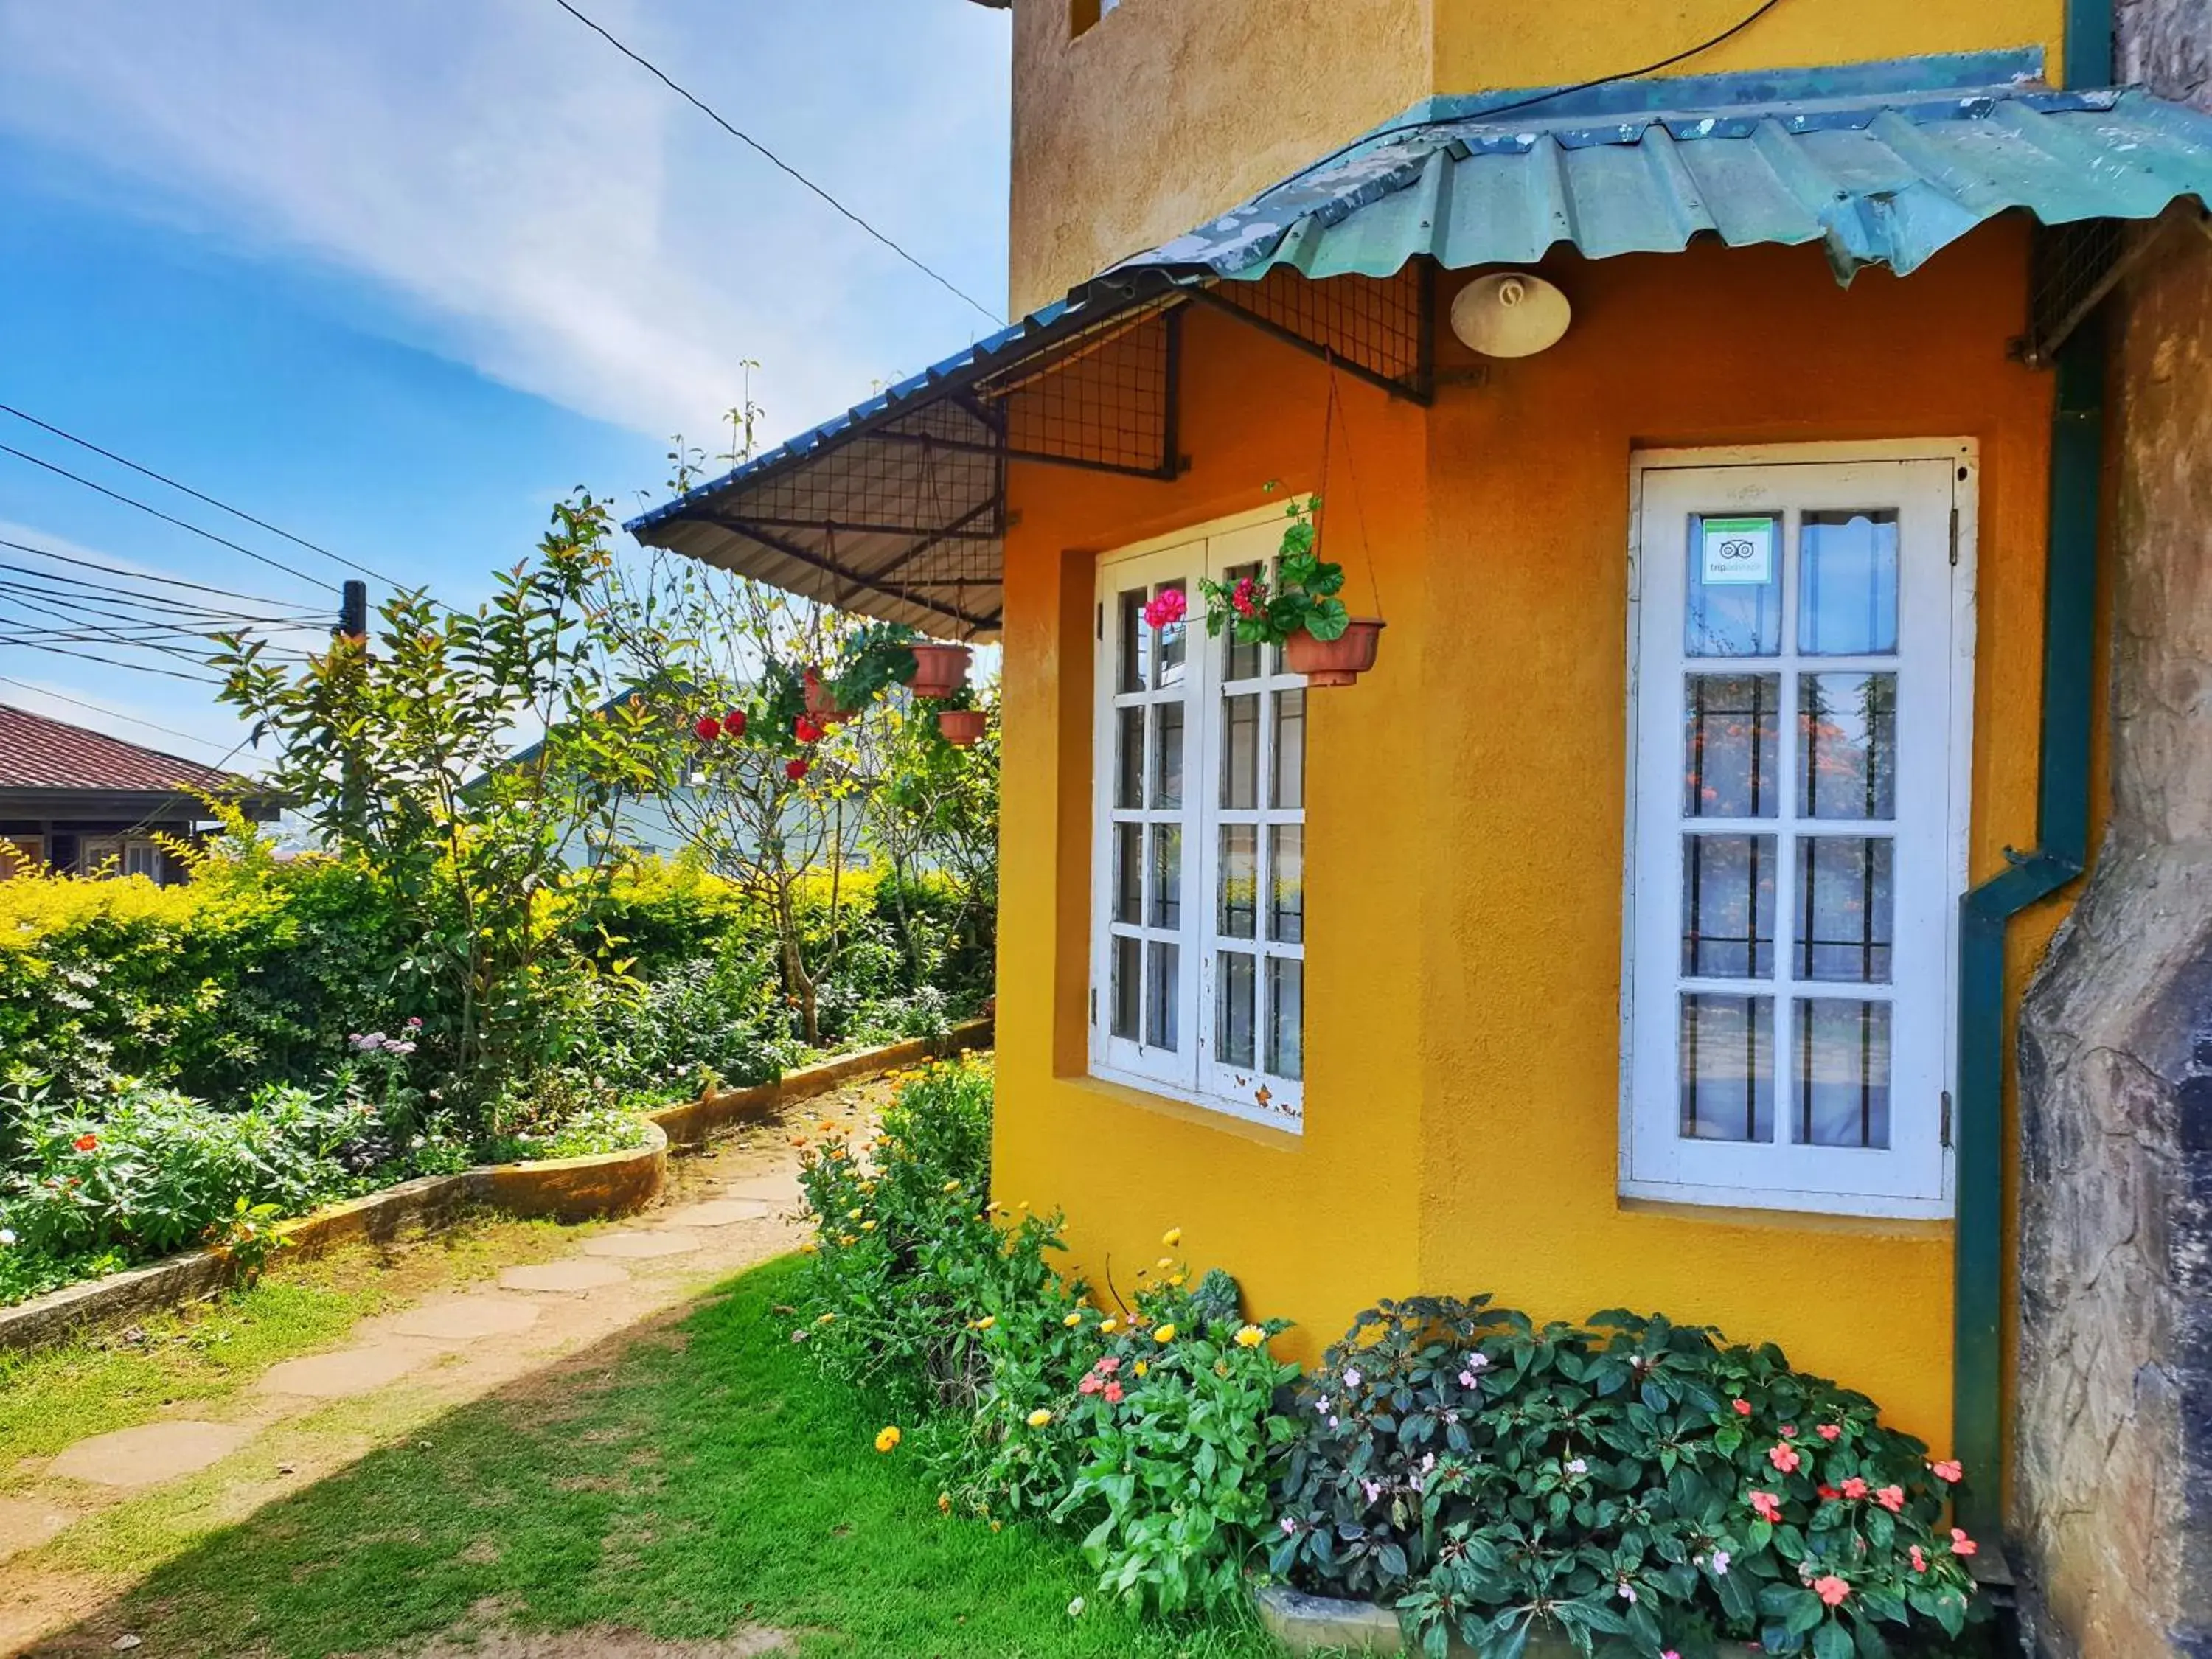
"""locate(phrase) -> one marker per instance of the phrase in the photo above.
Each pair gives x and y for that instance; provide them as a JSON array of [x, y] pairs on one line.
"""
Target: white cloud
[[538, 206]]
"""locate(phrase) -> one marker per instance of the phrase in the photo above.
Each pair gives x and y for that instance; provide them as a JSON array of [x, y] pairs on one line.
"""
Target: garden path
[[201, 1466]]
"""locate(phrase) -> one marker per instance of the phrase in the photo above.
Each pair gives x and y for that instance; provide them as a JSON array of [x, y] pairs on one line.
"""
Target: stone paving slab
[[349, 1371], [716, 1212], [466, 1318], [643, 1247], [26, 1522], [778, 1187], [559, 1276], [151, 1453]]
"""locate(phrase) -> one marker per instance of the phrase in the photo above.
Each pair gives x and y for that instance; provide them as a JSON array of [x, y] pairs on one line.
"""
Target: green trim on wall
[[2088, 44], [2061, 823]]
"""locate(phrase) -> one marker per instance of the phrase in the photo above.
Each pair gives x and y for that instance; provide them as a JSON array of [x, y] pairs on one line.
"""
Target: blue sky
[[395, 277]]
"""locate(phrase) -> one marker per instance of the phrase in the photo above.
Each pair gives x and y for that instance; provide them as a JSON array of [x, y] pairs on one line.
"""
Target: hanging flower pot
[[939, 670], [960, 727], [1339, 661], [822, 701]]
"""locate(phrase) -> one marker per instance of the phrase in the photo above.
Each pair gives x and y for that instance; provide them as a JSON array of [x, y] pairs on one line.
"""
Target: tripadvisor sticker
[[1737, 551]]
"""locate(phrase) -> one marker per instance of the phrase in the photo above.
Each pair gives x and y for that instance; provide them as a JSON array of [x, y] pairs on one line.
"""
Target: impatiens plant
[[1628, 1483]]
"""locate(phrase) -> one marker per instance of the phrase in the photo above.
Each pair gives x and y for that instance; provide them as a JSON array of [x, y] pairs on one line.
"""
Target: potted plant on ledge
[[1299, 609]]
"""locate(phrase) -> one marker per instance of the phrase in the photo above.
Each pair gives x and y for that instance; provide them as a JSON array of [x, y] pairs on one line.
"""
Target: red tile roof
[[37, 753]]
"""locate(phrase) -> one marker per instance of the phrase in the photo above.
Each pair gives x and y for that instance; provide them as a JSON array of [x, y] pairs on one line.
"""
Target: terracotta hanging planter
[[1339, 661], [960, 727], [822, 701], [939, 670]]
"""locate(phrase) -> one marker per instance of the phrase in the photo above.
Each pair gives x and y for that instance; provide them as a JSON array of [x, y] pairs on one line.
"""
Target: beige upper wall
[[1170, 111]]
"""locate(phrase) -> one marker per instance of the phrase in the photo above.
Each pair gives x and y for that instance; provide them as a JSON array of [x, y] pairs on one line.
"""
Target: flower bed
[[1628, 1483]]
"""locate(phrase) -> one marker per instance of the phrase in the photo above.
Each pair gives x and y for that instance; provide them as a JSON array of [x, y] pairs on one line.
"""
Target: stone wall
[[2111, 1490]]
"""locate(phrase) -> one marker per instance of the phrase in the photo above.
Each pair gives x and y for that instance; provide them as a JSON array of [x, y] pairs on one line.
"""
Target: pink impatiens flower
[[1854, 1488], [1948, 1471], [1919, 1559], [1831, 1589], [1960, 1544], [1113, 1394], [1784, 1457], [1743, 1407], [1891, 1499], [1766, 1506], [1829, 1431]]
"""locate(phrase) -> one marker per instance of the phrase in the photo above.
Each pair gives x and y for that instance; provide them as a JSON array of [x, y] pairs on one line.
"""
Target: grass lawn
[[693, 1481]]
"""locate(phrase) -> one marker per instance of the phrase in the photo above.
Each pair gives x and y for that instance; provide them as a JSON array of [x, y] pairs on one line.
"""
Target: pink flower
[[1891, 1499], [1352, 1379], [1167, 607], [1241, 596], [1831, 1589], [1372, 1488], [1788, 1430], [1743, 1407], [1766, 1506], [1113, 1394], [1854, 1488], [1960, 1544], [1089, 1385], [1289, 1527], [1829, 1431], [85, 1143], [1919, 1559], [1111, 1364], [1721, 1560], [1949, 1471], [1784, 1458]]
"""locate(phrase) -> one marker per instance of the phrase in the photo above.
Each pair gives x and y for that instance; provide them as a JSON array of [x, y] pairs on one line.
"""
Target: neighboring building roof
[[895, 509], [39, 754]]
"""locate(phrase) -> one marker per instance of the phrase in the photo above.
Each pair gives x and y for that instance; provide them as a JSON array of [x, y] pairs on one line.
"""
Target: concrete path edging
[[1306, 1624], [568, 1189]]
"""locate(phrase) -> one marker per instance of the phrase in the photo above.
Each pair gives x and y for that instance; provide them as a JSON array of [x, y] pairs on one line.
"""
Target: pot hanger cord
[[1352, 471]]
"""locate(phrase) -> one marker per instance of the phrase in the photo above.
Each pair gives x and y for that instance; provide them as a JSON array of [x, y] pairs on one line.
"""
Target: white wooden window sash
[[1793, 1050], [1198, 915]]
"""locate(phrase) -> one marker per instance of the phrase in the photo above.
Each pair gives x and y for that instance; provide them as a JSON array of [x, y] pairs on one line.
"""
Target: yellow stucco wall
[[1169, 111], [1465, 817]]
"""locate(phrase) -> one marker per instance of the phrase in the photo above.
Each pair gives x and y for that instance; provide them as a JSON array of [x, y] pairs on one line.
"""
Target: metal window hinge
[[1946, 1123], [1954, 537], [1094, 1020], [1101, 608]]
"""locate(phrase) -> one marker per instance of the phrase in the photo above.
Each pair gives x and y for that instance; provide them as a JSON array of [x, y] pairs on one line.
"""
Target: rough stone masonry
[[2111, 1487]]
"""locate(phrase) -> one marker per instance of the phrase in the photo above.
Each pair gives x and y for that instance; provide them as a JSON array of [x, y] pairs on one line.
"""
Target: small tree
[[402, 751]]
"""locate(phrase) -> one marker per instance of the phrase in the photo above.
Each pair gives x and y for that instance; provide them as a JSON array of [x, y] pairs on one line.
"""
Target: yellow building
[[1696, 391]]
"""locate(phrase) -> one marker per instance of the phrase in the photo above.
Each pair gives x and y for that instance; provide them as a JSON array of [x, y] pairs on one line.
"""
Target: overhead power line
[[139, 575], [755, 144], [217, 502], [168, 518], [111, 714], [135, 667]]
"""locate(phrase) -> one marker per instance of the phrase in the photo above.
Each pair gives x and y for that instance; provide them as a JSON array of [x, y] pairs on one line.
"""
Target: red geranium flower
[[794, 770], [807, 729], [707, 729], [734, 723], [85, 1143]]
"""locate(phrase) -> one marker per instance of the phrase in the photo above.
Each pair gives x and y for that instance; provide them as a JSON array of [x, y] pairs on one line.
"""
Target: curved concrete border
[[1322, 1623], [567, 1188]]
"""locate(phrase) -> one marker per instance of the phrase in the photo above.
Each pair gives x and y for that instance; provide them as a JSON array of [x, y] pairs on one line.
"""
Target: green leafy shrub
[[1629, 1481]]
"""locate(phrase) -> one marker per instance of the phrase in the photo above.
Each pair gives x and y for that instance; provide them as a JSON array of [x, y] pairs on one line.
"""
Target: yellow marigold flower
[[825, 1319], [1176, 1277], [846, 1238], [1164, 1333], [987, 1322], [1108, 1327], [1039, 1418], [888, 1436], [1140, 1368], [1250, 1336], [867, 1226], [856, 1213], [951, 1186], [1164, 1263], [1072, 1321], [810, 1247], [1023, 1205], [1172, 1238]]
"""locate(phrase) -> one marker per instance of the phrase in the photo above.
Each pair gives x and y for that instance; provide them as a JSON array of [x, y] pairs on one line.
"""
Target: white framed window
[[1198, 867], [1801, 690], [142, 858]]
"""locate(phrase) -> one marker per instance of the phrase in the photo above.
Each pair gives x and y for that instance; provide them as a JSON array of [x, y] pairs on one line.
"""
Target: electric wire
[[111, 714], [1530, 102], [137, 576], [941, 280], [197, 494], [168, 518], [135, 667]]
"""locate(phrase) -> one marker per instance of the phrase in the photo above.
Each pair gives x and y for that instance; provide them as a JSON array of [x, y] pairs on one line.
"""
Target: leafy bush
[[1153, 1431], [1628, 1479]]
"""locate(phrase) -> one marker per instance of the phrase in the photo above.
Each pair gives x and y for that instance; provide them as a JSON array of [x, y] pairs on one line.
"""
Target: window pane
[[1240, 880], [1288, 790], [1728, 906], [1163, 999], [1286, 884], [1731, 737], [1129, 762], [1734, 607], [1847, 584], [1286, 1013], [1237, 1015], [1167, 875], [1240, 662], [1240, 752], [1842, 1073], [1128, 873], [1167, 754], [1727, 1067], [1847, 745], [1167, 654], [1136, 641], [1843, 909], [1129, 986]]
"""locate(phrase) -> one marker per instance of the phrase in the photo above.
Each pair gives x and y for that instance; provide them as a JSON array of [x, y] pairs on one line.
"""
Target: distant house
[[83, 802]]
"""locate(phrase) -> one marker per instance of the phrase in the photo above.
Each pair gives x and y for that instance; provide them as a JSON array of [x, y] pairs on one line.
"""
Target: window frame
[[1193, 1074], [21, 855], [1927, 1200]]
